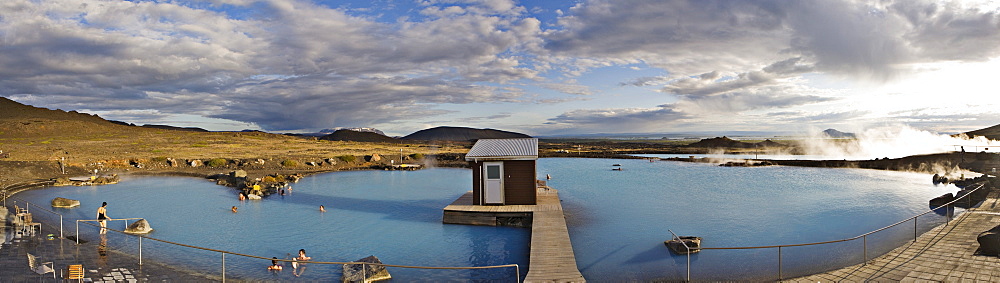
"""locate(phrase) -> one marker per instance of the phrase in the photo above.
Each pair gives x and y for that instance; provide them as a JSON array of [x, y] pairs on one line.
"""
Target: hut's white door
[[493, 182]]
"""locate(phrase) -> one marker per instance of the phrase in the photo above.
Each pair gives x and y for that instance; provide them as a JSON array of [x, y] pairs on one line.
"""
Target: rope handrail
[[317, 262], [981, 185]]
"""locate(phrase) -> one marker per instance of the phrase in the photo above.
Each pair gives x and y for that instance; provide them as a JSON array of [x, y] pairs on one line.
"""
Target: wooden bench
[[42, 268], [75, 272]]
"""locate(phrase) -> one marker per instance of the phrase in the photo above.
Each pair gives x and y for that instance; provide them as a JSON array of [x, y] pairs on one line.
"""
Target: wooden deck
[[552, 258]]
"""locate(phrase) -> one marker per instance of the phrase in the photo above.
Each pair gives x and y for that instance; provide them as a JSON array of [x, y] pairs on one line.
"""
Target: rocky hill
[[992, 133], [838, 134], [720, 142], [25, 121], [725, 142], [461, 134], [352, 135]]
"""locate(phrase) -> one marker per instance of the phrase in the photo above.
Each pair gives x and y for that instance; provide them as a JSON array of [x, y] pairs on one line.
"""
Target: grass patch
[[199, 145], [217, 162], [347, 158], [289, 163]]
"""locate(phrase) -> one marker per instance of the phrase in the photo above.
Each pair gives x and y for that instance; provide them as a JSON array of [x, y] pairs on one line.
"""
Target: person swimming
[[274, 264], [322, 209], [234, 209]]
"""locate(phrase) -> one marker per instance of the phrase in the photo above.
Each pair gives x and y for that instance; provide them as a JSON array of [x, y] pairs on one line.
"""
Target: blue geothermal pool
[[617, 220]]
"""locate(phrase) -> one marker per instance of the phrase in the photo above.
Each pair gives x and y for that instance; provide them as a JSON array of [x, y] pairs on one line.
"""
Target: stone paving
[[101, 264], [947, 253]]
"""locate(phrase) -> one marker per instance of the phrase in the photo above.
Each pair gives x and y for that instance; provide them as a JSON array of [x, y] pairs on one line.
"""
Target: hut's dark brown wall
[[477, 182], [519, 182]]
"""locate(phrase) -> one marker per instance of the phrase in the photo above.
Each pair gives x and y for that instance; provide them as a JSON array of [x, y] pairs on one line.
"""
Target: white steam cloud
[[892, 142]]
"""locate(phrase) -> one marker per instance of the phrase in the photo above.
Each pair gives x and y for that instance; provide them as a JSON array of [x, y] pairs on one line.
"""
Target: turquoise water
[[395, 215], [617, 220], [744, 156]]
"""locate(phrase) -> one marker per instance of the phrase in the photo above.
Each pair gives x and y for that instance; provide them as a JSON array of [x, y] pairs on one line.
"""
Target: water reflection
[[102, 251]]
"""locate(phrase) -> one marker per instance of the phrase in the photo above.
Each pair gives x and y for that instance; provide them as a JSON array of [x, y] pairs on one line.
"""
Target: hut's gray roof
[[504, 149]]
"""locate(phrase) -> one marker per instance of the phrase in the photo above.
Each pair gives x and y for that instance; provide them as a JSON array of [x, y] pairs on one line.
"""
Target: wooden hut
[[503, 171]]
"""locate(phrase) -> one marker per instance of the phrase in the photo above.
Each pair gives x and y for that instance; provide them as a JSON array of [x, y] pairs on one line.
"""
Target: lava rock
[[139, 227], [365, 272], [989, 242], [65, 202]]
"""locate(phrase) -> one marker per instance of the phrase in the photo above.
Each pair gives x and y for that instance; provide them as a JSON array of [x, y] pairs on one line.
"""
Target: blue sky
[[538, 67]]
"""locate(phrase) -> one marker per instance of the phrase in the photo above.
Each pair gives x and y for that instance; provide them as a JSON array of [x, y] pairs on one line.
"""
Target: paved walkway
[[101, 264], [947, 253]]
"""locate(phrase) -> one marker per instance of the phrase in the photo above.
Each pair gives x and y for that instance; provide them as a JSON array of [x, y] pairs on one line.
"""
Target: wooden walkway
[[552, 258], [946, 253]]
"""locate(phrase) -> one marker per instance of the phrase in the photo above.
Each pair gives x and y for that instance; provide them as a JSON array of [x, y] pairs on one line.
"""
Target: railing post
[[364, 273], [689, 262], [779, 264], [60, 226], [915, 229], [223, 267], [140, 251], [517, 273], [865, 249], [78, 232]]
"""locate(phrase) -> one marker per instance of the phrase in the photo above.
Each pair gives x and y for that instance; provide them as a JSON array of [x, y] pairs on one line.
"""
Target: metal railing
[[5, 196], [863, 237], [688, 249], [517, 268]]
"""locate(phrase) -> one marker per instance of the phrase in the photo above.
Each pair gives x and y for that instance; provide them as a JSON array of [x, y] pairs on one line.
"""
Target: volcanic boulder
[[139, 227], [65, 202]]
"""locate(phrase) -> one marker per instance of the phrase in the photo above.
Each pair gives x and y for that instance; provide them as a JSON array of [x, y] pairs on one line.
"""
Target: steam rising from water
[[892, 142]]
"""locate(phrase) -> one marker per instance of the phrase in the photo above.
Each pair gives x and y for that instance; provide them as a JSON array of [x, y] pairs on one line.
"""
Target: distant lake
[[617, 220]]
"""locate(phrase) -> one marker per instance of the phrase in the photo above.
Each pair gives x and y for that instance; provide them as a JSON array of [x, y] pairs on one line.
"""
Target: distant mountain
[[992, 133], [838, 134], [352, 135], [461, 134], [168, 127]]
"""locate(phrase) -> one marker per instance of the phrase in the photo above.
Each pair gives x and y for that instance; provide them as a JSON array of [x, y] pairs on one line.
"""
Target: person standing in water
[[296, 264], [102, 217]]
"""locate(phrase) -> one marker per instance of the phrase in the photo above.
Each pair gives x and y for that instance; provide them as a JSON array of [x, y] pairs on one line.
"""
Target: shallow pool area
[[617, 220]]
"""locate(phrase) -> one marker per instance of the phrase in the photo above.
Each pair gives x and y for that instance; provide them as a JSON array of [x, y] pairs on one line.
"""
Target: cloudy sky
[[539, 67]]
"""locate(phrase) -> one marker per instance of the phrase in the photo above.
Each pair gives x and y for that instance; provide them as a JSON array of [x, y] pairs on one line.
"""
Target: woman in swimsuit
[[102, 217]]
